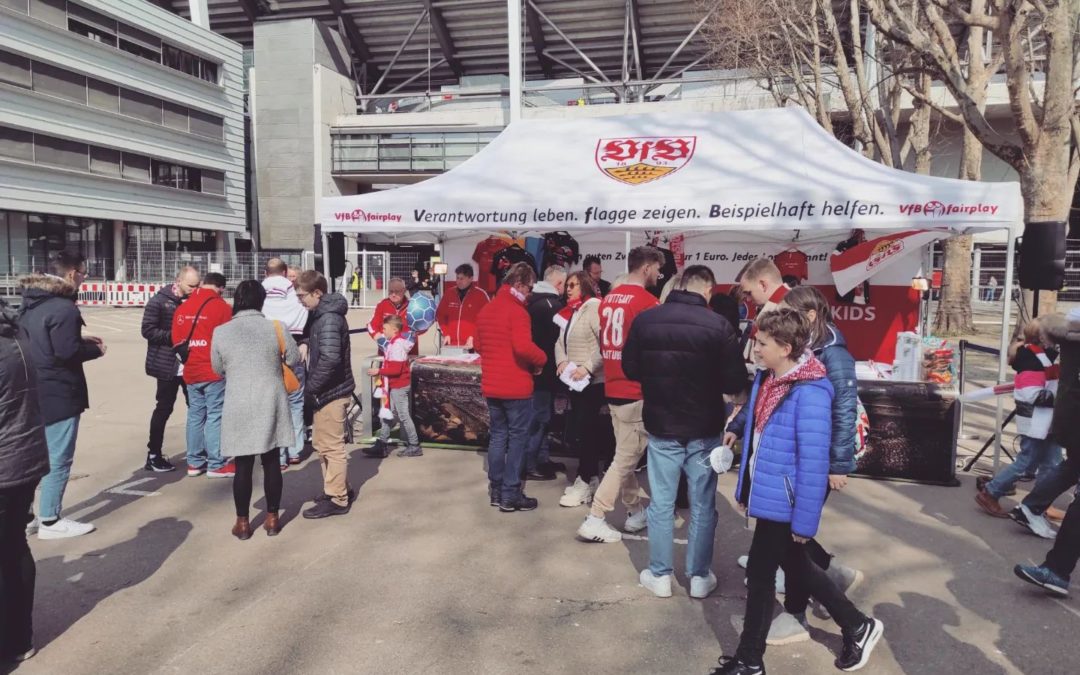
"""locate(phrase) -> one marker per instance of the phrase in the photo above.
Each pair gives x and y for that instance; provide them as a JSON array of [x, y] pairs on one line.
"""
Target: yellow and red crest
[[643, 159]]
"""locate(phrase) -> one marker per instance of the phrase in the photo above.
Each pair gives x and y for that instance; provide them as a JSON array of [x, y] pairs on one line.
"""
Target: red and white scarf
[[773, 389], [562, 319]]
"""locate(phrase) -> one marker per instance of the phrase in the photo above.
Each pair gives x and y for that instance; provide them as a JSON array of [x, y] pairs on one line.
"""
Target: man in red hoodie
[[394, 304], [194, 323], [508, 361], [459, 309]]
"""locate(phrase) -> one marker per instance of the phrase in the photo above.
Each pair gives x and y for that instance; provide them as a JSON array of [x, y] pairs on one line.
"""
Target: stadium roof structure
[[437, 42]]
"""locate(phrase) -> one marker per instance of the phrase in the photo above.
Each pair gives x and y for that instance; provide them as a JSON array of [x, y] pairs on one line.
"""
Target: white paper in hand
[[575, 385], [721, 459]]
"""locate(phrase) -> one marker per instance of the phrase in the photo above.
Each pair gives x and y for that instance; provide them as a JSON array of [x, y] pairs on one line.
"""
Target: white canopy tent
[[763, 175]]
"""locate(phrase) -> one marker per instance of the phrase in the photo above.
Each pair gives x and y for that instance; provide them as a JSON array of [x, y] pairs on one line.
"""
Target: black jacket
[[686, 358], [52, 325], [329, 369], [1064, 429], [161, 361], [543, 306], [24, 457]]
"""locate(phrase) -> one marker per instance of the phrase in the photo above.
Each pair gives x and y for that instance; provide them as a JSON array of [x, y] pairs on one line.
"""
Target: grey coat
[[256, 417]]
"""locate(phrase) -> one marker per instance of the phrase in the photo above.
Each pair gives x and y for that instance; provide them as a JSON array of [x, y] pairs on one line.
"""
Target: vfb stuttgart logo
[[645, 158], [889, 248]]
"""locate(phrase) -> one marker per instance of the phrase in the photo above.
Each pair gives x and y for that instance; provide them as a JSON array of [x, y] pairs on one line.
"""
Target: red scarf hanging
[[774, 389], [571, 306]]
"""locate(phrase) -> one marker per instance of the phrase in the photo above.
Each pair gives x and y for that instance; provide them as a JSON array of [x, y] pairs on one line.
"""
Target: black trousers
[[166, 401], [585, 430], [17, 573], [773, 546], [1066, 552], [796, 593], [272, 482]]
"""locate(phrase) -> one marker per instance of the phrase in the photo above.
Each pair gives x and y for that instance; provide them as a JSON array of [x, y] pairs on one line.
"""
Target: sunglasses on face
[[572, 284]]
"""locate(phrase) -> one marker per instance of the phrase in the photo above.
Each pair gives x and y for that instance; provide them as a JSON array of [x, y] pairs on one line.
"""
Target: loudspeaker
[[336, 240], [1042, 256]]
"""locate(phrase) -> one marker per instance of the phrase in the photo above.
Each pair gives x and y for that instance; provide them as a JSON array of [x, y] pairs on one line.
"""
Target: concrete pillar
[[200, 14], [119, 251]]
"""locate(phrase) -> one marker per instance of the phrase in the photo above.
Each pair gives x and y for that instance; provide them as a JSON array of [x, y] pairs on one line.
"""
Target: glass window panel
[[140, 106], [89, 17], [176, 116], [213, 182], [209, 71], [105, 162], [58, 82], [206, 124], [103, 95], [141, 38], [50, 11], [16, 144], [17, 5], [15, 69], [136, 167], [61, 152]]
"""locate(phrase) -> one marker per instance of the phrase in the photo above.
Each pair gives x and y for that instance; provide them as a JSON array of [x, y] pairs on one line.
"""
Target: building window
[[50, 11], [136, 167], [16, 144], [61, 152], [59, 82], [178, 59], [102, 95], [176, 116], [140, 43], [177, 176], [21, 6], [205, 124], [140, 106], [90, 24], [213, 182], [15, 69], [105, 162]]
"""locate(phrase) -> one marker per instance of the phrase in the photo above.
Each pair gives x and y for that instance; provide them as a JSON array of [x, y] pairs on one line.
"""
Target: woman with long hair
[[579, 344], [248, 352], [829, 346]]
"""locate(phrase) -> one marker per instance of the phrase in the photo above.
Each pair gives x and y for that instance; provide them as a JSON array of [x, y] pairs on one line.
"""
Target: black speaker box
[[1042, 256]]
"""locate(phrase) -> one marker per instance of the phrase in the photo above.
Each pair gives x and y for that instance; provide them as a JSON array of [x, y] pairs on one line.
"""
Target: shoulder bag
[[292, 382]]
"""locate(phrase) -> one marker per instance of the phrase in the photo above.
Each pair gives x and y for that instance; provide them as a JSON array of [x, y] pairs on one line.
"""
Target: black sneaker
[[729, 665], [411, 452], [325, 509], [540, 474], [159, 464], [325, 497], [496, 496], [378, 450], [859, 645], [522, 503]]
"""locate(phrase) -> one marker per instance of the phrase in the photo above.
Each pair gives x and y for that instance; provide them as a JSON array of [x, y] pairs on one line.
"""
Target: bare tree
[[1039, 50]]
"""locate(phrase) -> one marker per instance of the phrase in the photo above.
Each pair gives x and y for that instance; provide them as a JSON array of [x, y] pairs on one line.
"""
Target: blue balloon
[[421, 313]]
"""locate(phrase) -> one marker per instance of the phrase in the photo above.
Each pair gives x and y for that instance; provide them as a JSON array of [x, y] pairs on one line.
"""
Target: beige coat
[[579, 340]]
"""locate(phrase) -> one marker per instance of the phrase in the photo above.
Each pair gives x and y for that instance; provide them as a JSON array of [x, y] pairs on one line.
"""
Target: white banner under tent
[[761, 176]]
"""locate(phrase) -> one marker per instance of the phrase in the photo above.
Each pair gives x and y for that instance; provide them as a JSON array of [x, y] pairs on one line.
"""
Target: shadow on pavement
[[124, 492], [71, 589], [304, 482]]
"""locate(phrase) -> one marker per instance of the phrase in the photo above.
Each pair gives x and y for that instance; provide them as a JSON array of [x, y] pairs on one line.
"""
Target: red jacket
[[617, 313], [384, 309], [457, 318], [508, 356], [395, 365], [215, 313]]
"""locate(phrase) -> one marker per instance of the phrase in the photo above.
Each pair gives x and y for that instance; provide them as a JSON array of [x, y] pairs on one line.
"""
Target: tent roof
[[745, 172]]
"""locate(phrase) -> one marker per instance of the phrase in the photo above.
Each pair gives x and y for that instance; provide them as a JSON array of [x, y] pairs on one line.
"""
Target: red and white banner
[[859, 263], [116, 294]]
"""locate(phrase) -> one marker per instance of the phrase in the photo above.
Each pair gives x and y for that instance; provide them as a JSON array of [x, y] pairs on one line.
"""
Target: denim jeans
[[17, 573], [506, 449], [296, 410], [60, 437], [1036, 456], [539, 448], [668, 458], [402, 409], [205, 400], [1054, 483]]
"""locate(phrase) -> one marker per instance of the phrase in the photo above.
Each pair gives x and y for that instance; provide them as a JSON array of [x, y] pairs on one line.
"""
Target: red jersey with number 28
[[617, 312]]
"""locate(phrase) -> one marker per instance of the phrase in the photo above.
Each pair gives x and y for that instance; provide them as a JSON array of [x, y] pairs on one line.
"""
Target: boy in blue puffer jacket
[[782, 483]]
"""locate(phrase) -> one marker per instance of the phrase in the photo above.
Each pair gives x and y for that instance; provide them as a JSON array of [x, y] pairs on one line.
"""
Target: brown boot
[[242, 529], [1056, 515], [990, 505], [272, 524]]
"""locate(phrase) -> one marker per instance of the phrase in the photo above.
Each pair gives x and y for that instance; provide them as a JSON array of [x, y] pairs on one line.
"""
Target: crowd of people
[[678, 386]]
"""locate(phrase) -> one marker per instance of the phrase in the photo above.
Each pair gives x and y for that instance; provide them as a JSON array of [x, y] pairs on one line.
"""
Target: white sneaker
[[636, 522], [1037, 524], [660, 586], [597, 529], [702, 587], [32, 527], [64, 529], [577, 494]]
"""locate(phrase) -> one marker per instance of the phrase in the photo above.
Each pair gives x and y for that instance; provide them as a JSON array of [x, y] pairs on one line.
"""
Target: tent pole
[[626, 262], [326, 260], [513, 25], [1006, 335]]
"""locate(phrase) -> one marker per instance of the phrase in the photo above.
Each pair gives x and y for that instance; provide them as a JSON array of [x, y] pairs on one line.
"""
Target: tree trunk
[[954, 316]]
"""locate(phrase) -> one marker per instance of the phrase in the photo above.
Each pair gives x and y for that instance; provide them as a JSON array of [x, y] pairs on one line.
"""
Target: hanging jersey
[[617, 313], [484, 254], [561, 249], [793, 263], [507, 258]]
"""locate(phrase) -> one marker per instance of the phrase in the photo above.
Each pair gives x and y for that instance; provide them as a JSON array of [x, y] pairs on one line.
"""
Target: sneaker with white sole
[[578, 494], [780, 578], [636, 522], [1037, 524], [597, 529], [659, 586], [859, 645], [702, 587], [32, 527], [227, 471], [64, 528], [788, 629]]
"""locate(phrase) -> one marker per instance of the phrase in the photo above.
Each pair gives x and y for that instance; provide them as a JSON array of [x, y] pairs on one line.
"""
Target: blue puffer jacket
[[840, 367], [791, 472]]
